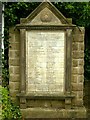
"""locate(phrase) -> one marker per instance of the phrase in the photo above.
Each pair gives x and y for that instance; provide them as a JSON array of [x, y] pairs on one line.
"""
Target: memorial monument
[[46, 65]]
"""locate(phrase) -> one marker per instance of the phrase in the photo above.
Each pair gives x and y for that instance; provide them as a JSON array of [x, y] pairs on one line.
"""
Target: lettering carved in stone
[[45, 62]]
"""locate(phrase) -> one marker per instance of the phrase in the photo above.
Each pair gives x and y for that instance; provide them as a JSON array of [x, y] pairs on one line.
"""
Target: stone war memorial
[[46, 65]]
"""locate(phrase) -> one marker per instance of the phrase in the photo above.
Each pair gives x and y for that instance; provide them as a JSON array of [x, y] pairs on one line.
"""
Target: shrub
[[87, 64], [10, 111]]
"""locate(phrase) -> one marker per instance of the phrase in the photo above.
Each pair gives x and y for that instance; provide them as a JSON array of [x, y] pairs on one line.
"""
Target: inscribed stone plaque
[[45, 62]]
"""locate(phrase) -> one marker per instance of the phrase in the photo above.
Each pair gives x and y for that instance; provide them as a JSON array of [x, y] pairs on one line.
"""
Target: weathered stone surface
[[42, 113], [75, 62], [77, 102], [14, 62], [74, 78], [17, 70], [14, 35], [78, 46], [81, 46], [80, 78], [15, 100], [14, 46], [38, 103], [46, 69], [45, 103], [82, 29], [14, 85], [11, 70], [58, 104], [78, 55], [78, 37], [75, 46], [11, 54], [11, 31], [45, 16], [76, 30], [77, 87], [80, 95], [81, 62], [23, 106], [13, 93], [40, 64], [14, 53], [14, 78], [81, 112], [17, 36], [78, 70], [75, 93], [23, 103], [53, 113]]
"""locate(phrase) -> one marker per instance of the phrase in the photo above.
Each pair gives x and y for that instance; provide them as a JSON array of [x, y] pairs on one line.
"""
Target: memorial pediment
[[45, 14]]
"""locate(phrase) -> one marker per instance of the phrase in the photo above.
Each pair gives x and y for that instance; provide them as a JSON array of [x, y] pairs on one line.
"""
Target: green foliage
[[9, 110], [5, 73], [79, 12], [87, 54], [87, 64], [23, 9]]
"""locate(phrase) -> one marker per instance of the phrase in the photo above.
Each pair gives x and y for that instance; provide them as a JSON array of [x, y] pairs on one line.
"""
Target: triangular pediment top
[[45, 13]]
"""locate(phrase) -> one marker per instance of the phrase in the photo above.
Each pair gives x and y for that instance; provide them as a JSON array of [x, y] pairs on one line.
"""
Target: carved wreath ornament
[[45, 17]]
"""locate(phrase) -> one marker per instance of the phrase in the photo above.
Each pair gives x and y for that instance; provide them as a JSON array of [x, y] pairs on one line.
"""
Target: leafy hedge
[[10, 111], [87, 64]]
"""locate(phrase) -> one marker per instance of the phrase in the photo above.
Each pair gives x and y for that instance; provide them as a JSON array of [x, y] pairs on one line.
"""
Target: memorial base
[[53, 113]]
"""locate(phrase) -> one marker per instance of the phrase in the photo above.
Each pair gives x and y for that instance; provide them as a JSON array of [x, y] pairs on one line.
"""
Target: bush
[[10, 111], [87, 64]]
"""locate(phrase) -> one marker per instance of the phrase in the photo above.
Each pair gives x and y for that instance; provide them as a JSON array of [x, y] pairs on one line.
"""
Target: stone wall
[[14, 63], [77, 81], [78, 66]]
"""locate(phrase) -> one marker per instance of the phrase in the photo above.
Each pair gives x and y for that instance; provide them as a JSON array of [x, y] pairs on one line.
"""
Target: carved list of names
[[45, 62]]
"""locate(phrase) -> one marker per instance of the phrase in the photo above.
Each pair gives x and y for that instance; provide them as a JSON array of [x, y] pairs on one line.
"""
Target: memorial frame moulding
[[67, 28]]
